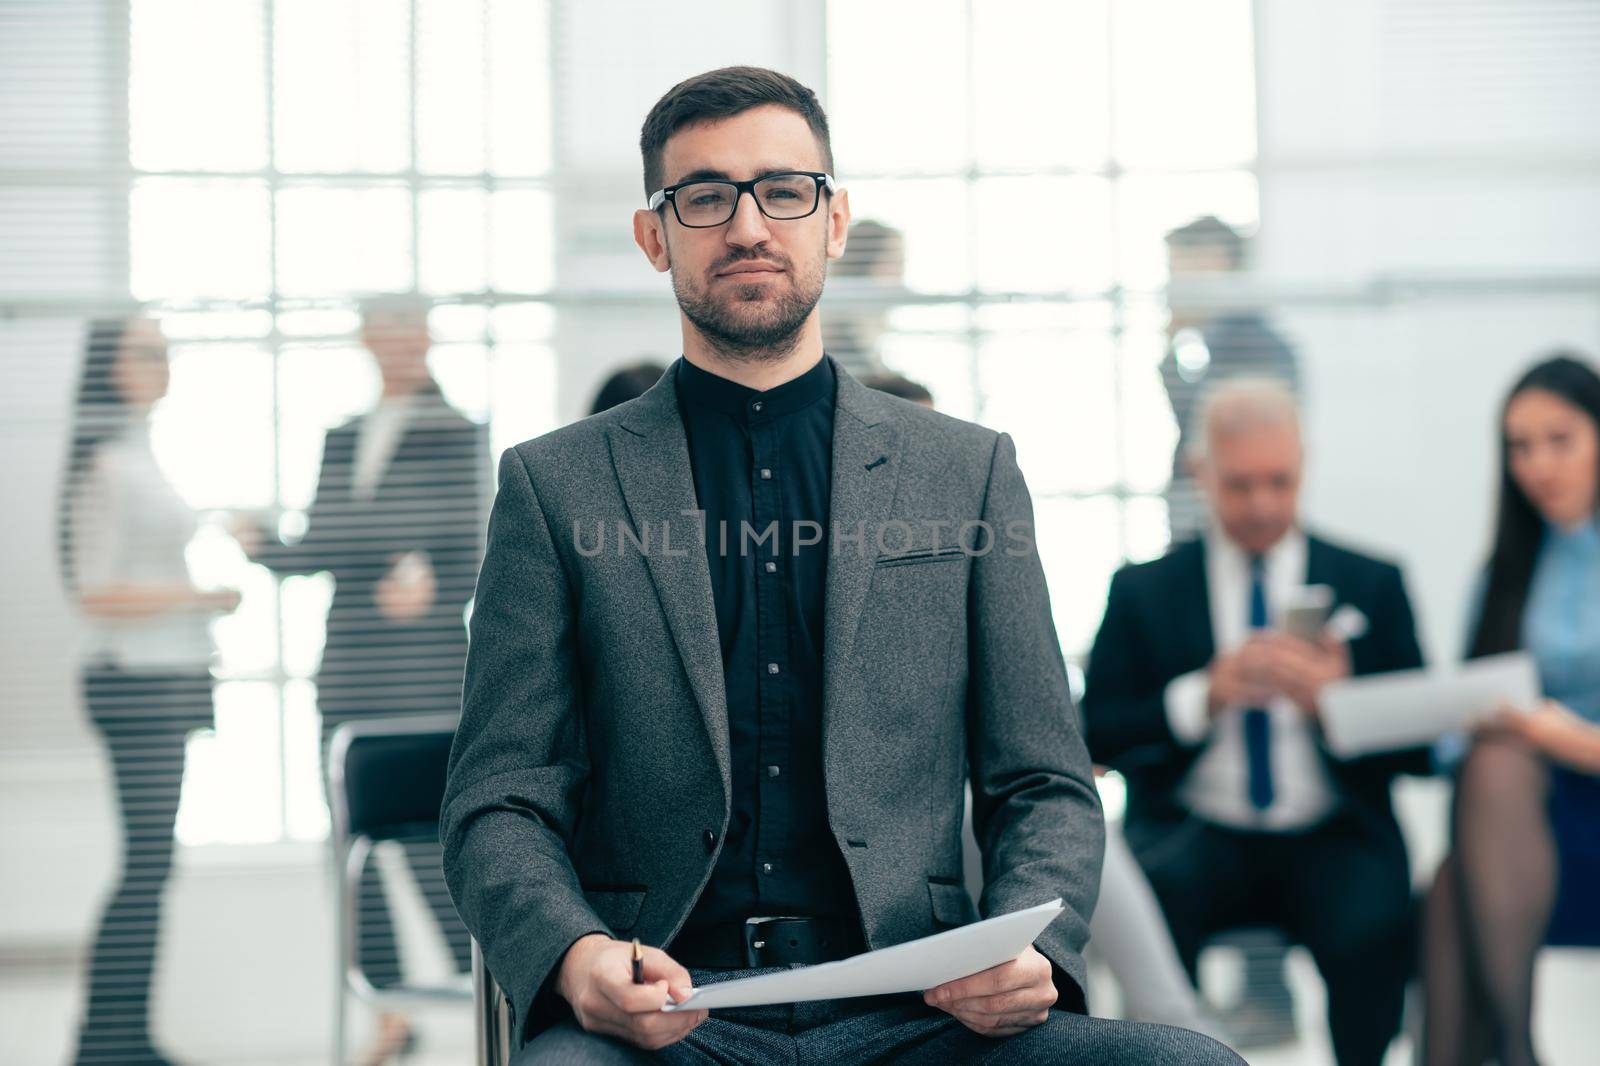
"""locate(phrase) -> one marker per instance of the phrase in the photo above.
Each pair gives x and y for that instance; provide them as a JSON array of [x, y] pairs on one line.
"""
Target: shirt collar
[[1290, 551], [701, 388], [1585, 538]]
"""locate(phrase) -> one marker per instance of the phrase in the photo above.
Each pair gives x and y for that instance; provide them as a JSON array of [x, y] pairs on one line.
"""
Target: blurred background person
[[121, 531], [1206, 348], [897, 385], [626, 384], [1209, 348], [869, 273], [1237, 813], [398, 520], [1524, 869]]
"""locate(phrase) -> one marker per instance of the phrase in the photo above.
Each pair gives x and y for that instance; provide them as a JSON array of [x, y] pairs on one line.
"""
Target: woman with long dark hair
[[1524, 867], [121, 533]]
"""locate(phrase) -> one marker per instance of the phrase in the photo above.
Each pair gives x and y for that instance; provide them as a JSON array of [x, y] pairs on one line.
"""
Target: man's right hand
[[596, 978]]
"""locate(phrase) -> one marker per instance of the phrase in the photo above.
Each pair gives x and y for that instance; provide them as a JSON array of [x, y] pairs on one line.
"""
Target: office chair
[[385, 782]]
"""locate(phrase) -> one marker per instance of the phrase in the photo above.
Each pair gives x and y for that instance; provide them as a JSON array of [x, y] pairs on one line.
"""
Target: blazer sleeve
[[519, 762], [453, 546], [1036, 813], [1124, 703]]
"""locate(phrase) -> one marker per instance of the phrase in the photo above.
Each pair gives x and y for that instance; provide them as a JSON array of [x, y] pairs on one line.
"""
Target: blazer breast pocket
[[918, 556]]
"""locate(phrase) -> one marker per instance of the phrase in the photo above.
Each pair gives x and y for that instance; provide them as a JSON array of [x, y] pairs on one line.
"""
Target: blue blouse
[[1561, 622]]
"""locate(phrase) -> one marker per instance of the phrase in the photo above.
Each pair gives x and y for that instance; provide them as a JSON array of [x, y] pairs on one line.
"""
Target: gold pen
[[638, 962]]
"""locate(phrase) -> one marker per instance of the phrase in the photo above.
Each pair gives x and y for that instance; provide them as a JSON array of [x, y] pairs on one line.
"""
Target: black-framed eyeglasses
[[782, 197]]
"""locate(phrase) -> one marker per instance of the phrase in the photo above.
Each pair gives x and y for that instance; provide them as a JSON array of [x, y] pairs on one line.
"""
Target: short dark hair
[[724, 93], [626, 384]]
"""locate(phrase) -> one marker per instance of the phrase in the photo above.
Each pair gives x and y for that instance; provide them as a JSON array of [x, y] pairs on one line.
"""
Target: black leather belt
[[758, 942]]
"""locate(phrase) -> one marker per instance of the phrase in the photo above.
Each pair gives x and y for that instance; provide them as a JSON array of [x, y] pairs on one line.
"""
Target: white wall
[[1427, 183]]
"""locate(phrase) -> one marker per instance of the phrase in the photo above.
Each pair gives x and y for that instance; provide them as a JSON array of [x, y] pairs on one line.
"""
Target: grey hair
[[1239, 404]]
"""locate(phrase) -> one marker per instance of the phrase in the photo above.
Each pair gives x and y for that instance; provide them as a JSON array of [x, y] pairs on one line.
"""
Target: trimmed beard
[[735, 338]]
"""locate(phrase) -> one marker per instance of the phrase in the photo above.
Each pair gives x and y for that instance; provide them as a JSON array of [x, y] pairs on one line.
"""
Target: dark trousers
[[145, 719], [1342, 889], [377, 950], [897, 1029]]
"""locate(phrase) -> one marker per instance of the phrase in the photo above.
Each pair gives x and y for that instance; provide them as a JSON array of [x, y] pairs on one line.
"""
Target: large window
[[1033, 156], [287, 157]]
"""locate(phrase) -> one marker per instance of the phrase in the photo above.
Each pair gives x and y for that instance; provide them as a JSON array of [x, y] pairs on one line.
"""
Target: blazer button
[[710, 840]]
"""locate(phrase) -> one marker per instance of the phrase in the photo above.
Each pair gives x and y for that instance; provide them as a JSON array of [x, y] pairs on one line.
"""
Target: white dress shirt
[[130, 527], [377, 438], [1217, 785]]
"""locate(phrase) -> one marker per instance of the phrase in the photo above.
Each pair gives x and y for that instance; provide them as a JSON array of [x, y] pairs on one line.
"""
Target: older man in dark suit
[[737, 646], [1196, 691]]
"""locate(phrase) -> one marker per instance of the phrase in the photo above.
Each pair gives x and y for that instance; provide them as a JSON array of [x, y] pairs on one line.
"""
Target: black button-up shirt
[[762, 466]]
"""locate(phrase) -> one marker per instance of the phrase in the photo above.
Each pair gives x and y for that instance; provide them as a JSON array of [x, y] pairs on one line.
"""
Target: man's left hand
[[1003, 1000]]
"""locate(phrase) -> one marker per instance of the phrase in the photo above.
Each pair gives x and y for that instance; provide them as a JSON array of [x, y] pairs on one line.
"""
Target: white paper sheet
[[909, 967], [1407, 708]]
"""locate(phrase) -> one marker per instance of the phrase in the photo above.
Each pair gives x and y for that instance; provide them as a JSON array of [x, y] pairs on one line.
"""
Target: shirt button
[[772, 568], [772, 668], [756, 407], [766, 867], [773, 771], [709, 839], [766, 474]]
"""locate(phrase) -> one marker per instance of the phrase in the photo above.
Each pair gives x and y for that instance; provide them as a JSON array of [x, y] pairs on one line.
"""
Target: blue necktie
[[1257, 725]]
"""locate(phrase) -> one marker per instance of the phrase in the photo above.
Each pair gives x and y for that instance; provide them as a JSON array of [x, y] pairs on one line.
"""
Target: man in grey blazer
[[737, 646]]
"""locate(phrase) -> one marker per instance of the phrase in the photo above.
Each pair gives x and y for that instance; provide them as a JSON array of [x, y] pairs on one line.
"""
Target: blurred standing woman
[[121, 534], [1524, 869]]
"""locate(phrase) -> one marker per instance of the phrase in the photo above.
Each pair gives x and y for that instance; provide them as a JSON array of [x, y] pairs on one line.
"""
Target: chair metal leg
[[493, 1021], [347, 876]]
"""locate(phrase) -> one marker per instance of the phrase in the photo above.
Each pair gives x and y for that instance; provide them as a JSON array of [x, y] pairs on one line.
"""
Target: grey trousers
[[897, 1029]]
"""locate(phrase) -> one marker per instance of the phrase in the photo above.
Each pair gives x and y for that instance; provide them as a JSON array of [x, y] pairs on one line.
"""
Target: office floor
[[246, 978]]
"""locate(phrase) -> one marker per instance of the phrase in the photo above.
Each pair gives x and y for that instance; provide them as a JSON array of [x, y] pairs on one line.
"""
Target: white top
[[129, 527], [377, 438], [1217, 785]]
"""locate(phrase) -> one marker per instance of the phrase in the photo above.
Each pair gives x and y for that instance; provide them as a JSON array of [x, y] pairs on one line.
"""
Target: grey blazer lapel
[[866, 464], [651, 456]]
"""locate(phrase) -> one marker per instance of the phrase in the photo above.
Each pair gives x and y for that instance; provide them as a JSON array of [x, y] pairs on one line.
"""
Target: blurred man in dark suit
[[397, 521], [1237, 811]]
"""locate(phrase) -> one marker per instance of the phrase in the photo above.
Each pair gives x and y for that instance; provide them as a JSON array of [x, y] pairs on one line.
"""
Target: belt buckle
[[755, 939]]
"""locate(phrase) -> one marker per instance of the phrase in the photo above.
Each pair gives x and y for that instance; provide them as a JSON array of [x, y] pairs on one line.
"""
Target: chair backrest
[[386, 776]]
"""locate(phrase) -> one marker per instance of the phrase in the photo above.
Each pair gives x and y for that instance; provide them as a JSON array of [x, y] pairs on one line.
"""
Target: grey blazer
[[589, 782]]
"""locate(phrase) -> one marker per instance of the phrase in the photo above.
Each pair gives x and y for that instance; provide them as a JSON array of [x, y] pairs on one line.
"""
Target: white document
[[1408, 708], [909, 967]]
